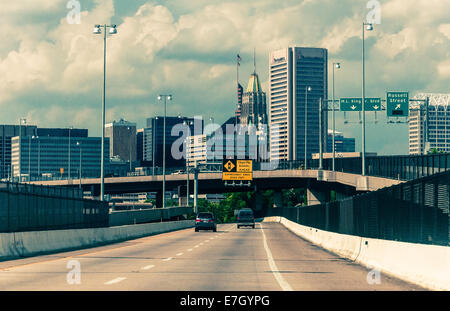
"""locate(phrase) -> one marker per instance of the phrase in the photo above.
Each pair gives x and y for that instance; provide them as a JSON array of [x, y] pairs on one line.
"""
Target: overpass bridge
[[345, 181]]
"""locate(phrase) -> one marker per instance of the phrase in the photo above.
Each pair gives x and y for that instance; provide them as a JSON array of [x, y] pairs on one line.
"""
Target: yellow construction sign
[[240, 170]]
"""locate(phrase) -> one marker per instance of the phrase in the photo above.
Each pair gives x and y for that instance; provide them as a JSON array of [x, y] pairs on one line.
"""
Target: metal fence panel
[[25, 207], [416, 211]]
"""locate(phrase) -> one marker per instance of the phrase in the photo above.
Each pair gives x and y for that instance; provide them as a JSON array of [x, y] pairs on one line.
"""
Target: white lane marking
[[167, 259], [281, 281], [189, 250], [201, 243], [117, 280], [206, 241], [179, 254], [147, 267], [196, 246]]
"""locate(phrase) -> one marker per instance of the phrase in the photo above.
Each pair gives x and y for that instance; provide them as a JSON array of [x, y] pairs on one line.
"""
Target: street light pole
[[29, 158], [335, 65], [307, 89], [79, 171], [320, 136], [24, 120], [169, 97], [153, 143], [363, 156], [97, 30], [68, 165]]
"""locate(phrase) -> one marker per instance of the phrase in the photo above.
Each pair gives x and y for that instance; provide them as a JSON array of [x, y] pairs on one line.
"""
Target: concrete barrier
[[24, 244], [424, 265]]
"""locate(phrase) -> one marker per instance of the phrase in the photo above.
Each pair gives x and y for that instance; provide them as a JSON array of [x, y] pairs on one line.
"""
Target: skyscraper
[[429, 127], [291, 71], [6, 134], [154, 138], [122, 137], [253, 103]]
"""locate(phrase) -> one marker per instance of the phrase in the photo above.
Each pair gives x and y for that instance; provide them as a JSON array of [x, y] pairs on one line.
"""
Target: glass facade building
[[292, 109], [429, 128], [49, 157]]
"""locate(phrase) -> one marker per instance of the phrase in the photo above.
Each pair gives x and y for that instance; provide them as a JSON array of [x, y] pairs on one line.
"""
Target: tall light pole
[[29, 158], [129, 144], [24, 120], [166, 97], [335, 65], [97, 31], [79, 170], [39, 155], [68, 165], [369, 27], [153, 143], [307, 89]]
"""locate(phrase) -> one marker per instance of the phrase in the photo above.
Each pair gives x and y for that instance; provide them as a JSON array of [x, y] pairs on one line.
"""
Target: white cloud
[[188, 48]]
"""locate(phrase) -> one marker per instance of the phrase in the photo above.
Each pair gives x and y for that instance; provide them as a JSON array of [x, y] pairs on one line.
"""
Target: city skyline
[[54, 71]]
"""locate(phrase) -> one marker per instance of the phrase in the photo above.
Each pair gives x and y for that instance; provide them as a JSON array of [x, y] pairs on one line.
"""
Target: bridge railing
[[407, 167], [416, 211]]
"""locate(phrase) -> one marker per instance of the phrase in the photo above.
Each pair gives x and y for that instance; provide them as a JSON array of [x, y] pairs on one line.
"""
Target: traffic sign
[[355, 104], [241, 170], [372, 104], [350, 104], [397, 104]]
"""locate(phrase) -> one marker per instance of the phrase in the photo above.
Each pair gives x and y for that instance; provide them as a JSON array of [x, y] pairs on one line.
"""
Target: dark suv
[[205, 221], [245, 218]]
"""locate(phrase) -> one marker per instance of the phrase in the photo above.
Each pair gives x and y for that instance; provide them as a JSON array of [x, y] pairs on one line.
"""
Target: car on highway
[[205, 221], [245, 217]]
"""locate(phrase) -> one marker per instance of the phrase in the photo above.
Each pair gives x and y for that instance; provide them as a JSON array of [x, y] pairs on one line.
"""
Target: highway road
[[267, 258]]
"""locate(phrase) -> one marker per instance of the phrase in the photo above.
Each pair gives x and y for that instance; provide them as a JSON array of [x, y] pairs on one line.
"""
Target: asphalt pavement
[[267, 258]]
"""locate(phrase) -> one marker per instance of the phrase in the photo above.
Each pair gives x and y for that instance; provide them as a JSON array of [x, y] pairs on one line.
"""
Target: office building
[[6, 133], [429, 127], [229, 141], [341, 143], [61, 132], [122, 137], [240, 91], [176, 127], [53, 157], [140, 145], [253, 103], [291, 71]]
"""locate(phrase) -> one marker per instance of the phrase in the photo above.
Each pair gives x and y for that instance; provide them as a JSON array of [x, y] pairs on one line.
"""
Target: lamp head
[[369, 27], [309, 89], [169, 97], [113, 30], [337, 65], [97, 30]]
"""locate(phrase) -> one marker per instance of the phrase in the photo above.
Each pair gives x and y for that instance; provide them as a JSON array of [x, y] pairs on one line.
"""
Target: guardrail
[[130, 217], [416, 211]]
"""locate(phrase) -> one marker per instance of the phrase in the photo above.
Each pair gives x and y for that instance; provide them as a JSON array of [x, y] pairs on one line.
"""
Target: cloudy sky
[[52, 68]]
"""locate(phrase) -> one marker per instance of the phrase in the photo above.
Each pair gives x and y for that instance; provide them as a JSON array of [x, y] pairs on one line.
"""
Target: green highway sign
[[355, 104], [397, 104], [372, 104], [350, 104]]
